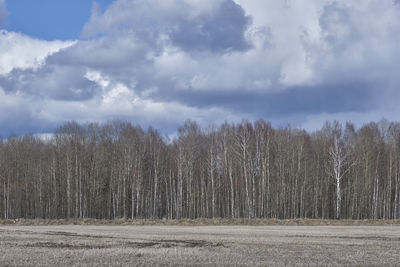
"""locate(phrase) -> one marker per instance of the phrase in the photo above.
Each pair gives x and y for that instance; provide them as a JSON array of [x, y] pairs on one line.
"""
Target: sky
[[161, 62]]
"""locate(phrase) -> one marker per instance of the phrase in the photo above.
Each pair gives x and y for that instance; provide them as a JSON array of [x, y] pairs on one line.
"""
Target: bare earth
[[68, 245]]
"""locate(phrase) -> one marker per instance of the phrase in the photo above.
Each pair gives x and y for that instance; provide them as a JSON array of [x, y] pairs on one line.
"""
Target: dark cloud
[[298, 100], [119, 51], [20, 122], [222, 31]]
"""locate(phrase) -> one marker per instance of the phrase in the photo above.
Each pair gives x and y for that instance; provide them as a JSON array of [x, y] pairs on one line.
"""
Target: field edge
[[200, 222]]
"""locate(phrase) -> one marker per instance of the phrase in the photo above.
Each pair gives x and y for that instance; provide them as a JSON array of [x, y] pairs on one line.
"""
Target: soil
[[104, 245]]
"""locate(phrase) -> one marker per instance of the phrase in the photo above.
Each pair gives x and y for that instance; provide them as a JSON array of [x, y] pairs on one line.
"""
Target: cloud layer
[[162, 61]]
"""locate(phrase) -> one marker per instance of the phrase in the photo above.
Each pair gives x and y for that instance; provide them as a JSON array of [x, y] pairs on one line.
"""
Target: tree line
[[246, 170]]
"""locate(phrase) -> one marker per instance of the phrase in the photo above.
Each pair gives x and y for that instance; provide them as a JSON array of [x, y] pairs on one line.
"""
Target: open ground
[[169, 245]]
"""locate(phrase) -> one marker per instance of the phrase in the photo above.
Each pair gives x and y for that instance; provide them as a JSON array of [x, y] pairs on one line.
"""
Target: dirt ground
[[69, 245]]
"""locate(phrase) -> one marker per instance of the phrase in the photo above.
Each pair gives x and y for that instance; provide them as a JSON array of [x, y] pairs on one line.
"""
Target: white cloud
[[23, 52], [119, 100]]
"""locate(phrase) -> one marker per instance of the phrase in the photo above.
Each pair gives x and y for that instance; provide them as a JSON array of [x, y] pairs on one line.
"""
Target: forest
[[244, 170]]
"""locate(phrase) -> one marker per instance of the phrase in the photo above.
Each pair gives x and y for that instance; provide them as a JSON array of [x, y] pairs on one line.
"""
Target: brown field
[[171, 245]]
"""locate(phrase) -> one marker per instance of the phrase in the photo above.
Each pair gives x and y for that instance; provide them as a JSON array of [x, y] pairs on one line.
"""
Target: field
[[171, 245]]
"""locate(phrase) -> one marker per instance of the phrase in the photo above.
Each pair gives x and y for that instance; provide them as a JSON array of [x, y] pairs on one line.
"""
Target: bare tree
[[248, 170]]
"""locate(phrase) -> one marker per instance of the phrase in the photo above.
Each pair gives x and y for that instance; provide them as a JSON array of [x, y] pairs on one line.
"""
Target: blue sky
[[160, 62], [50, 19]]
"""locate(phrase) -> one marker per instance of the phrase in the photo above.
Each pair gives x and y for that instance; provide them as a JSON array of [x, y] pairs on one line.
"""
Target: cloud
[[355, 47], [162, 61], [52, 82], [25, 112], [18, 51], [24, 70], [3, 11], [91, 80], [314, 122], [216, 26]]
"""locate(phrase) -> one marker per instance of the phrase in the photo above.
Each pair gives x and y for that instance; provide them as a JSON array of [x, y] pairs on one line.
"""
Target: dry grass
[[198, 222], [226, 245]]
